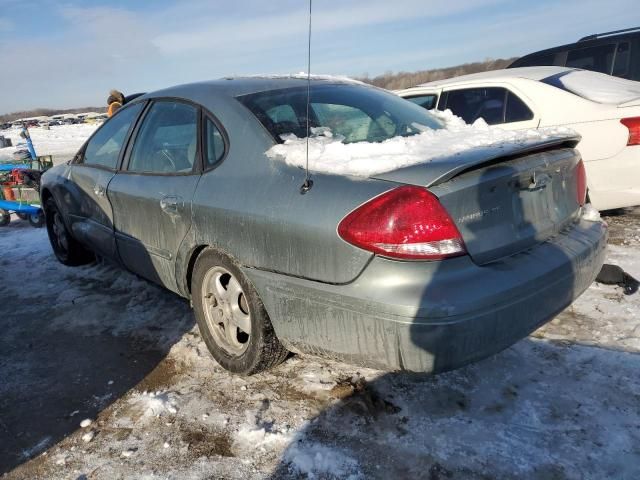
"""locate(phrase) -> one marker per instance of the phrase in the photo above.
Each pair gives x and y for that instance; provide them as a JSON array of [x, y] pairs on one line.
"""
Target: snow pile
[[257, 433], [60, 141], [303, 76], [317, 461], [590, 214], [599, 87], [328, 153], [154, 404]]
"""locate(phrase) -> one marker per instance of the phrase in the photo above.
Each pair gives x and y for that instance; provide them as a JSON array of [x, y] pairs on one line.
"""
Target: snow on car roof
[[594, 86], [531, 73]]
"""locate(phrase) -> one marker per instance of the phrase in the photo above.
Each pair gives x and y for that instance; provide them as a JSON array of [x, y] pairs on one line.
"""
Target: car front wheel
[[231, 317]]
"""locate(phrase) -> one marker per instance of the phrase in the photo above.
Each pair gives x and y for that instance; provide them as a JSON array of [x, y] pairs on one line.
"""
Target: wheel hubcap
[[59, 232], [226, 310]]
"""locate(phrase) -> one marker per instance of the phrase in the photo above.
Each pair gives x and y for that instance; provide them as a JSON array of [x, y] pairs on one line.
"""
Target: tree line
[[400, 80]]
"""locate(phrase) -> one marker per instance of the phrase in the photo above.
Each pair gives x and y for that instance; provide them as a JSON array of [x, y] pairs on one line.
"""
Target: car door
[[151, 196], [496, 105], [85, 202]]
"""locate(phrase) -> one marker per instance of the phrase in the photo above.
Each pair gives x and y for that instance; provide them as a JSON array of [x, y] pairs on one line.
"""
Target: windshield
[[351, 113]]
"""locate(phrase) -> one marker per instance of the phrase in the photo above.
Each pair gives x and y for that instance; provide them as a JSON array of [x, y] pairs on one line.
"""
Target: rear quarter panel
[[251, 207]]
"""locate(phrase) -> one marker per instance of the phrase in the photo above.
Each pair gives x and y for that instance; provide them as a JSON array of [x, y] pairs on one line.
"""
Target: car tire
[[37, 219], [66, 249], [5, 218], [226, 304]]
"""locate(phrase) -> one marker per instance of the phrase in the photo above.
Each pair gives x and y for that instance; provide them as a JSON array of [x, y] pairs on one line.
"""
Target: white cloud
[[214, 30]]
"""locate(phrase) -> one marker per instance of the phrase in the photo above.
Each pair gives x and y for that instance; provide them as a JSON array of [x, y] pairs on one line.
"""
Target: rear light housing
[[407, 222], [581, 183], [633, 125]]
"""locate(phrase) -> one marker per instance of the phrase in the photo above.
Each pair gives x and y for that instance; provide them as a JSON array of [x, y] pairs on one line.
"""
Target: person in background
[[114, 102]]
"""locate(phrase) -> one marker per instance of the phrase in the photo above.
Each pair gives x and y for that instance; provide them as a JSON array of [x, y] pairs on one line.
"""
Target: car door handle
[[169, 204], [99, 190]]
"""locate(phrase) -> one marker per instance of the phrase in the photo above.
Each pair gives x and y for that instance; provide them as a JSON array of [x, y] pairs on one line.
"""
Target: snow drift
[[329, 154]]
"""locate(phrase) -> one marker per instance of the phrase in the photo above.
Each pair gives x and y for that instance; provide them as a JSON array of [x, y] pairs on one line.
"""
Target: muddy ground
[[97, 343]]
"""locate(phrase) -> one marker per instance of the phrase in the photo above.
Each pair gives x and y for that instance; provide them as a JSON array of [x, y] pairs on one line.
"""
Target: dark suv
[[615, 53]]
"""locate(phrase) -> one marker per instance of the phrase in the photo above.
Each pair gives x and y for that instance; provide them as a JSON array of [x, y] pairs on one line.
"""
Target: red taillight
[[581, 181], [633, 124], [406, 222]]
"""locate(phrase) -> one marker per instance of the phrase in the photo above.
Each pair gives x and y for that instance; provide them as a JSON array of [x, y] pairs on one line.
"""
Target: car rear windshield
[[353, 113]]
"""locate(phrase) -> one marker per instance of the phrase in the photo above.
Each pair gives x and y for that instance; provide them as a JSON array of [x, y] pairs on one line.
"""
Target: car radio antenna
[[308, 183]]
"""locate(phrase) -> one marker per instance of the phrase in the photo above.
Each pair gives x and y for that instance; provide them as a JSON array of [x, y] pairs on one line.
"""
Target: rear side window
[[517, 110], [621, 62], [167, 141], [597, 59], [425, 101], [104, 147], [495, 105], [215, 144]]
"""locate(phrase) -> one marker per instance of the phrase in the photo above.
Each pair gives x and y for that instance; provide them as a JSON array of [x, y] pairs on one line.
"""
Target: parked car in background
[[604, 110], [422, 268], [614, 53]]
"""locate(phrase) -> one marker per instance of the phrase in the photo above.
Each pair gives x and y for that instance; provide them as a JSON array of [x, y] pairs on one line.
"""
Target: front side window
[[352, 113], [425, 101], [597, 59], [104, 147], [167, 141]]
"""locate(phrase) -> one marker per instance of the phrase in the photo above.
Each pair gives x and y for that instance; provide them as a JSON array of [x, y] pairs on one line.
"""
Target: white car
[[604, 110]]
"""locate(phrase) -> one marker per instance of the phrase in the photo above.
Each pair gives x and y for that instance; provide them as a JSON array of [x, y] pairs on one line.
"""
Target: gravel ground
[[97, 343]]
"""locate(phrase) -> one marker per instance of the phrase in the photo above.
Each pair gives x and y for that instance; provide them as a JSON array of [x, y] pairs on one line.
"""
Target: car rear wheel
[[66, 249], [231, 317]]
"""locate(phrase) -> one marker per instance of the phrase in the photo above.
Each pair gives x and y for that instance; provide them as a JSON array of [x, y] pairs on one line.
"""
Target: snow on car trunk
[[329, 154], [597, 87]]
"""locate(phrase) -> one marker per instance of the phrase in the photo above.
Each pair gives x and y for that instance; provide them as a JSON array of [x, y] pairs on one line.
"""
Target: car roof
[[529, 73], [244, 85]]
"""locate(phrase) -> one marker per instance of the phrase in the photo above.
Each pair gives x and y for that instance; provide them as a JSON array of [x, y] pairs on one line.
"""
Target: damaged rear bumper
[[433, 316]]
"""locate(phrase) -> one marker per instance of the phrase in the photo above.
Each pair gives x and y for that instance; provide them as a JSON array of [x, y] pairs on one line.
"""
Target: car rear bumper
[[433, 316]]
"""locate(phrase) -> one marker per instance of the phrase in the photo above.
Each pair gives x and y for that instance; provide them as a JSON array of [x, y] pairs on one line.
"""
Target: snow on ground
[[61, 141], [328, 153], [97, 342]]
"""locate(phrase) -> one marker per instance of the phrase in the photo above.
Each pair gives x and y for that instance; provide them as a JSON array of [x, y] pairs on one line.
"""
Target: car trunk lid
[[505, 204]]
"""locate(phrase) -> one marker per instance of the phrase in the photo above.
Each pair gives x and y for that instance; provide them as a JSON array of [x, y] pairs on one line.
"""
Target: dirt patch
[[206, 443], [364, 400], [160, 377]]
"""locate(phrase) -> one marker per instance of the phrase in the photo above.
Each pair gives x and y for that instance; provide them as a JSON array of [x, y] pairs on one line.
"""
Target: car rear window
[[353, 113]]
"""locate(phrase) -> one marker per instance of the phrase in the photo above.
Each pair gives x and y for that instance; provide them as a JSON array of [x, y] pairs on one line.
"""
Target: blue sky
[[70, 53]]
